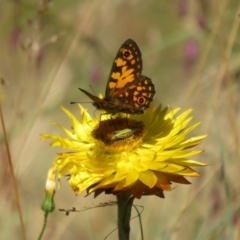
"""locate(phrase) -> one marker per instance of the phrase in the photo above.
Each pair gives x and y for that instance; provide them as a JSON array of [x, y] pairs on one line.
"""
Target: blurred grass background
[[190, 51]]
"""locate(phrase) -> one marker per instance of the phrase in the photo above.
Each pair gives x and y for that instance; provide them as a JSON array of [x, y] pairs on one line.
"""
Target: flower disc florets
[[119, 134]]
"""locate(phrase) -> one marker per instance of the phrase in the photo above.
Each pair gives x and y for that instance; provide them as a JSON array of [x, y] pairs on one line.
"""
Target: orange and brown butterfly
[[127, 90]]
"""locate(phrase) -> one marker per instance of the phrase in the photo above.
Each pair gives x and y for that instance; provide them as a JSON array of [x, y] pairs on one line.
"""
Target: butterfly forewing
[[126, 68]]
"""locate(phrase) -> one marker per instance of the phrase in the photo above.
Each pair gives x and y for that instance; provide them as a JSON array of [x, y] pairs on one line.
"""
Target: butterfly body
[[127, 91]]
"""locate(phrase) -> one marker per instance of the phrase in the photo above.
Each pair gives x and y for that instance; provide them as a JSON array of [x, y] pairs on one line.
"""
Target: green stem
[[124, 202], [44, 226]]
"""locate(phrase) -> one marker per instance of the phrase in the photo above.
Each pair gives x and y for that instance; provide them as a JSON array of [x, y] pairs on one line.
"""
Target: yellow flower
[[141, 153]]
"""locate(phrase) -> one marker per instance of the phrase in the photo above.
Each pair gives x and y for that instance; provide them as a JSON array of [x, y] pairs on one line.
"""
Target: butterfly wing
[[126, 68], [137, 97], [127, 90]]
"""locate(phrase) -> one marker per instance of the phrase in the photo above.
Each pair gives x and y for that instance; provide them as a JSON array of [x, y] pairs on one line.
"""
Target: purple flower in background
[[235, 218], [95, 74], [201, 20], [191, 51], [182, 8], [14, 38]]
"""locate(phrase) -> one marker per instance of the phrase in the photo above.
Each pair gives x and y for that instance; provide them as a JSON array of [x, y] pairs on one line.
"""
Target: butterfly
[[127, 90]]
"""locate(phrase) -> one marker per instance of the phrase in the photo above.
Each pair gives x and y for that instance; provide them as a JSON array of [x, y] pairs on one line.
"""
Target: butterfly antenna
[[92, 90], [94, 114]]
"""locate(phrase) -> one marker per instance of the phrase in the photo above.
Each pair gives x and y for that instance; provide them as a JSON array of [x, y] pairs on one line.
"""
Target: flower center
[[119, 134]]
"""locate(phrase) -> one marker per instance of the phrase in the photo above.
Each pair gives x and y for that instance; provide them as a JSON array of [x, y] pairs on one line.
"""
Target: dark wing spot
[[141, 100], [126, 54]]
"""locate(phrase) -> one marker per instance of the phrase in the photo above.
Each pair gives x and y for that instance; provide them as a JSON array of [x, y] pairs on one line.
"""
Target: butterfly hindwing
[[138, 96]]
